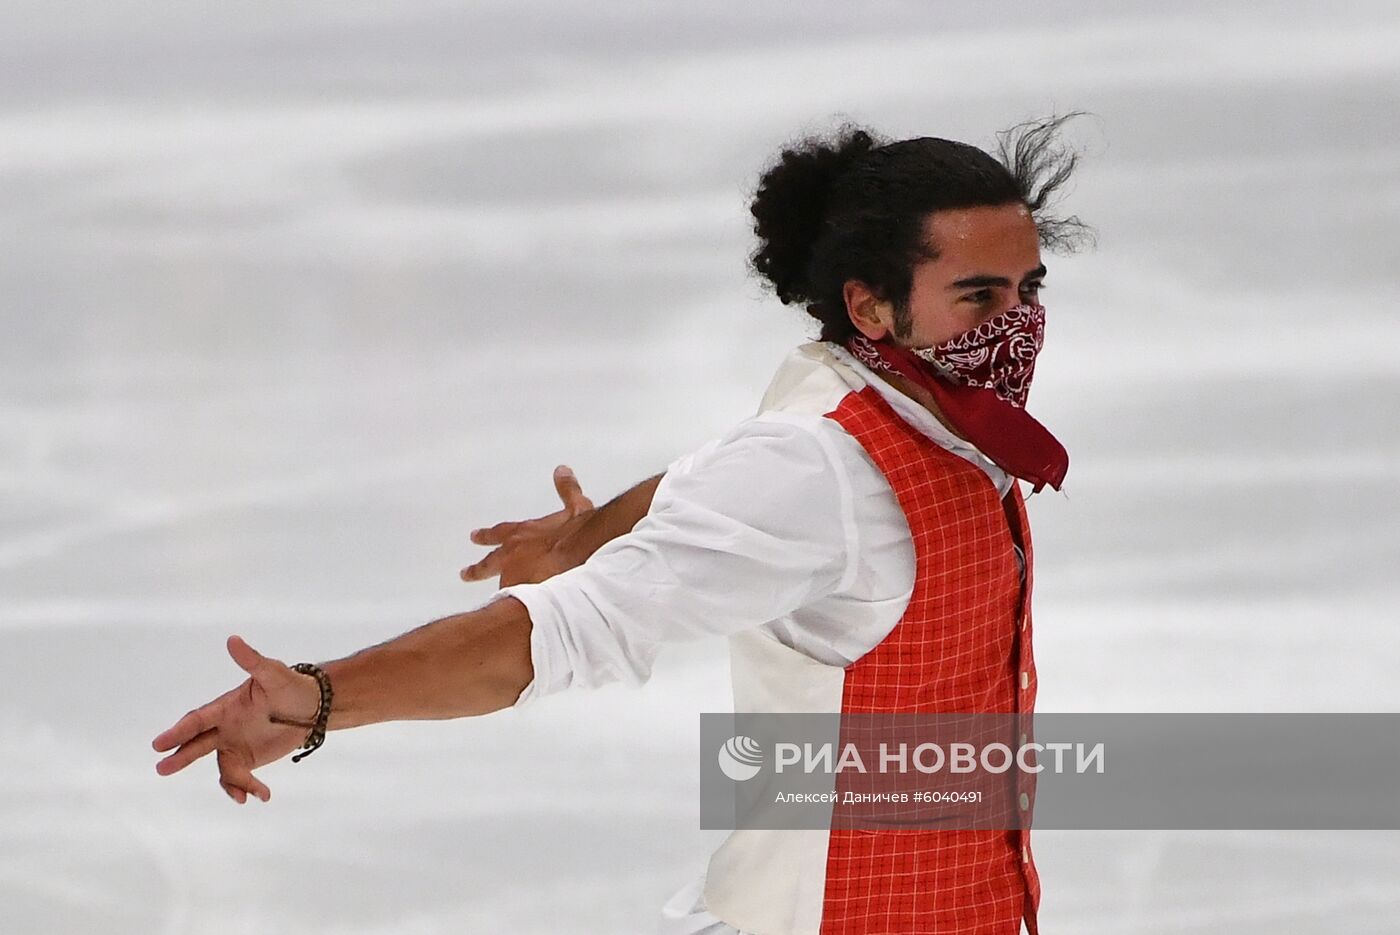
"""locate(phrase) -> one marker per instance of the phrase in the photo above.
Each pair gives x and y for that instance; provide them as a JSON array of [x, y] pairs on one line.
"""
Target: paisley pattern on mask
[[979, 381], [998, 354]]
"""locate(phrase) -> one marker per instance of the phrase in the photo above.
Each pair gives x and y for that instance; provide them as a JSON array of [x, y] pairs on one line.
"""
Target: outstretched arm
[[743, 533], [467, 664]]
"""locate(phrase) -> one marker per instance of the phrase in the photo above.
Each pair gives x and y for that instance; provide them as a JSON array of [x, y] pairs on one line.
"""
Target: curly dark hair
[[853, 207]]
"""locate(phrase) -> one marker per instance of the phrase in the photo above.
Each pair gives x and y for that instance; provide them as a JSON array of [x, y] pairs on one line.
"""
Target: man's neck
[[921, 396]]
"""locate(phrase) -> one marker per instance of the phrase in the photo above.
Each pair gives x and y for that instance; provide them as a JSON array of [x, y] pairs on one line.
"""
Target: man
[[862, 541]]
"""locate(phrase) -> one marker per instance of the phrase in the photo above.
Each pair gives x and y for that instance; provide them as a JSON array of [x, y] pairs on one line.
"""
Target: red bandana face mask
[[980, 380]]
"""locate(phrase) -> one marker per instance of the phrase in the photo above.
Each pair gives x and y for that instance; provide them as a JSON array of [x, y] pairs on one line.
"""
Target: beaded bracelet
[[317, 736]]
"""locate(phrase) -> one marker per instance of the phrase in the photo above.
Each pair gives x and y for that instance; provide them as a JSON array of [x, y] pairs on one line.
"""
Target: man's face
[[989, 261]]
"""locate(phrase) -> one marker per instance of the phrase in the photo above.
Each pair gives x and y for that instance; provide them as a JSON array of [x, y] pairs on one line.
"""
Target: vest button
[[1025, 857], [1025, 679], [1025, 801], [1023, 740]]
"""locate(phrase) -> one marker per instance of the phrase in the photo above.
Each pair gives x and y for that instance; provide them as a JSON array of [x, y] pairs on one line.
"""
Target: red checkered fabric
[[962, 646]]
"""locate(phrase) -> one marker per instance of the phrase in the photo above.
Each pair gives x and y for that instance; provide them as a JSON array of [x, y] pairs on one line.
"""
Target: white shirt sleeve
[[741, 532]]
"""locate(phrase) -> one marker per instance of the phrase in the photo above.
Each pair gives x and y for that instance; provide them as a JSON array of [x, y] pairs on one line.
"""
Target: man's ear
[[872, 316]]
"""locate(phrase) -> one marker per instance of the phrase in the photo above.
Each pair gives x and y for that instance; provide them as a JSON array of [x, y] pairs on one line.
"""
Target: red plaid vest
[[963, 645]]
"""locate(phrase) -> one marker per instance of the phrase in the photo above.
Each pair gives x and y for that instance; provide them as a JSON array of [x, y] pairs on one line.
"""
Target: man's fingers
[[260, 790], [488, 567], [236, 789], [189, 752], [495, 535], [248, 658], [234, 772], [570, 493], [187, 728]]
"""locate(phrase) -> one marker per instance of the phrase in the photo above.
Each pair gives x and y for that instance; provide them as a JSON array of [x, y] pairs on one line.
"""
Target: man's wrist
[[620, 515], [305, 706], [574, 547], [462, 665], [308, 698], [590, 531]]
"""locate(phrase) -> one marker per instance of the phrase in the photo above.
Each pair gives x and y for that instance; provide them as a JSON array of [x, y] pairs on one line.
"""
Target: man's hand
[[529, 551], [256, 723]]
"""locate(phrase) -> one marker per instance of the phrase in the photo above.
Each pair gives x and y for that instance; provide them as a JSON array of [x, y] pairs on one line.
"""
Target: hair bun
[[790, 206]]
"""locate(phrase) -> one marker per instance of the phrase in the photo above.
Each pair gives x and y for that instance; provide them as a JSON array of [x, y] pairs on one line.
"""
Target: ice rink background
[[292, 298]]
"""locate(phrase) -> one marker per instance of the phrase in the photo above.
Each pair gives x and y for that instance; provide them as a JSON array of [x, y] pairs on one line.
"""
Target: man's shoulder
[[795, 447], [789, 438], [812, 380], [783, 430]]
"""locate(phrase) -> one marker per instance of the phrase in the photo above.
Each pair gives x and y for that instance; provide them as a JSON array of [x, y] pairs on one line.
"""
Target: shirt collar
[[916, 415]]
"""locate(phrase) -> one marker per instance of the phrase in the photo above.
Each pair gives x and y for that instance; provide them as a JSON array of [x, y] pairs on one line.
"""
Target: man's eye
[[981, 296], [1033, 287]]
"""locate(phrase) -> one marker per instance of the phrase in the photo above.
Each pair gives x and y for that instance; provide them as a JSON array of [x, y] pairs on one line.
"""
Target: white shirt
[[784, 523]]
